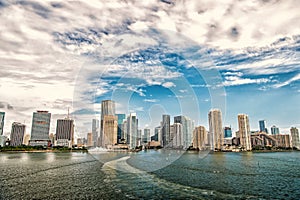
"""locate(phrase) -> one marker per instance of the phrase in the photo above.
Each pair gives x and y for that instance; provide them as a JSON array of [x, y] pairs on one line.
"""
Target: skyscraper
[[146, 136], [200, 138], [132, 130], [177, 135], [262, 126], [187, 130], [89, 140], [157, 134], [227, 132], [2, 115], [121, 118], [40, 128], [95, 129], [274, 130], [110, 130], [65, 132], [244, 132], [107, 108], [295, 137], [165, 130], [216, 135], [17, 134]]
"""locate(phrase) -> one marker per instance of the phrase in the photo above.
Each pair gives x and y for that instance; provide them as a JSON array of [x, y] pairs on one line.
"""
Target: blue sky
[[151, 57]]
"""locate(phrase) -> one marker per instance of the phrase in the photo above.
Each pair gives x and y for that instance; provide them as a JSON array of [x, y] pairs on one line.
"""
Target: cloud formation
[[45, 45]]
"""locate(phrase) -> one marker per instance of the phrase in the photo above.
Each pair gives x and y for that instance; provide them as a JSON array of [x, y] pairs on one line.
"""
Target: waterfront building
[[165, 130], [132, 130], [65, 132], [262, 139], [216, 135], [95, 130], [121, 118], [274, 130], [177, 136], [227, 132], [17, 134], [2, 116], [199, 138], [283, 140], [80, 142], [139, 138], [187, 130], [110, 130], [26, 139], [40, 129], [124, 132], [157, 134], [244, 132], [295, 137], [3, 140], [262, 126], [107, 108], [146, 136], [52, 138], [89, 140]]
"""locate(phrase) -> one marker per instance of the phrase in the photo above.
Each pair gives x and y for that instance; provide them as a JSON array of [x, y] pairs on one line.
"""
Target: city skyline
[[254, 56]]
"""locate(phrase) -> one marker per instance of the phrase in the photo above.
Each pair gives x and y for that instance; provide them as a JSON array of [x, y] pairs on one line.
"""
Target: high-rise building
[[262, 126], [216, 135], [124, 133], [244, 132], [139, 138], [227, 132], [65, 132], [165, 130], [89, 140], [95, 130], [176, 133], [295, 137], [132, 130], [110, 130], [40, 128], [157, 134], [2, 115], [283, 140], [121, 118], [52, 138], [107, 108], [187, 130], [17, 134], [200, 138], [3, 140], [146, 136], [274, 130], [26, 139]]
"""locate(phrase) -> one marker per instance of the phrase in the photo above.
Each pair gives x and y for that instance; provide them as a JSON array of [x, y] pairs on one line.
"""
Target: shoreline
[[86, 151]]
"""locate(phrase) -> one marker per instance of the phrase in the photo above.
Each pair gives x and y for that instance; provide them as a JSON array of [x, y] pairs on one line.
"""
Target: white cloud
[[44, 47], [235, 80], [151, 100], [168, 84]]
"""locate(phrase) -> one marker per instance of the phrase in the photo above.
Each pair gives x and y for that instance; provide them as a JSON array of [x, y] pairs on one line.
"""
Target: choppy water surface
[[150, 175]]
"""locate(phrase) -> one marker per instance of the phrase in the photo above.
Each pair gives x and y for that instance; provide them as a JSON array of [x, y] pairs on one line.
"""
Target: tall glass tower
[[121, 118], [40, 128], [2, 115], [262, 126]]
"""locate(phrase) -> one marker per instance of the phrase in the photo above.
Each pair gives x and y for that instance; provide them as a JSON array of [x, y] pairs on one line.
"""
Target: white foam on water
[[164, 185]]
